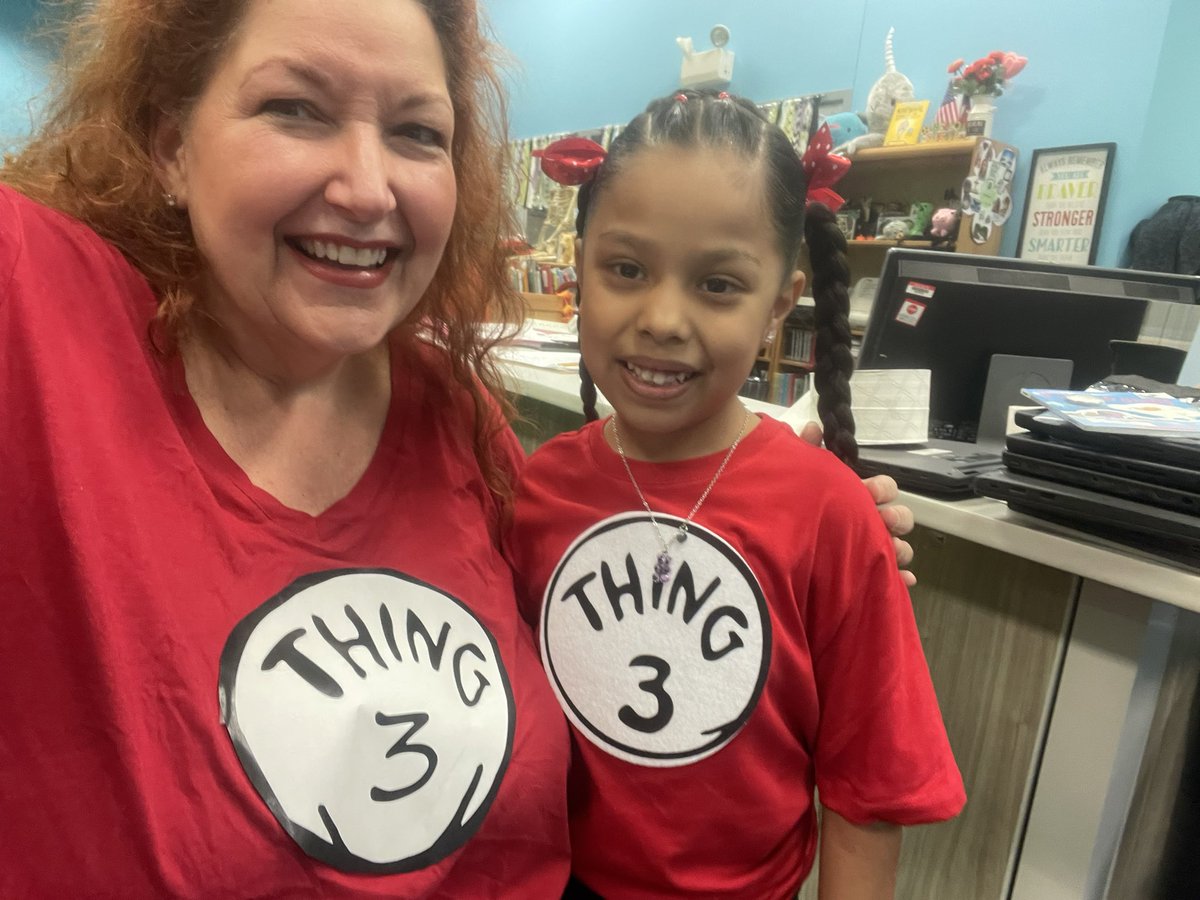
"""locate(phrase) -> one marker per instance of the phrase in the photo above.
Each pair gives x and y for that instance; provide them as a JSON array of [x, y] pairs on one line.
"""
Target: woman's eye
[[626, 269], [422, 134], [289, 109]]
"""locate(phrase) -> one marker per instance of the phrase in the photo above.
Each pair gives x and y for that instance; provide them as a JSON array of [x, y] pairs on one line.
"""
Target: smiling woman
[[255, 470]]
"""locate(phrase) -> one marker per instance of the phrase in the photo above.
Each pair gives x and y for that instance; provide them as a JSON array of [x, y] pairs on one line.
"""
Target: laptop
[[948, 468], [1105, 482], [1119, 462], [958, 314], [1181, 453], [1164, 532]]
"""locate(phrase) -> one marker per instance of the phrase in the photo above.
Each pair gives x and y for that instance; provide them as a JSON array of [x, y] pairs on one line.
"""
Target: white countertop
[[981, 520]]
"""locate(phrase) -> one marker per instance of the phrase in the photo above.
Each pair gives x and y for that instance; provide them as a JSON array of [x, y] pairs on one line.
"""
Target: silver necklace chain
[[662, 565]]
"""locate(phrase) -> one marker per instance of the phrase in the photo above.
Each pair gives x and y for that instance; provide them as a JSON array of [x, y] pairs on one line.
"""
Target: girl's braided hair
[[706, 119]]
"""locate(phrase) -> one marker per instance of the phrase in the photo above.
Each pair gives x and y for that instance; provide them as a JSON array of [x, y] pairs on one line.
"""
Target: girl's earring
[[770, 336], [171, 200]]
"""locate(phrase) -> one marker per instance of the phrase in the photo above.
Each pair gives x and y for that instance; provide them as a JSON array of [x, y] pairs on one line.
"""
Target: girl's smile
[[681, 278]]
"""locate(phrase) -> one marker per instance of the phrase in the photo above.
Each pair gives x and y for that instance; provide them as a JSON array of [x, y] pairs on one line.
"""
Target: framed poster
[[1064, 204]]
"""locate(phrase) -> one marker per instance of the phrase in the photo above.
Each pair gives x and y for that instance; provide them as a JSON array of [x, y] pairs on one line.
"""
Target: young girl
[[720, 613]]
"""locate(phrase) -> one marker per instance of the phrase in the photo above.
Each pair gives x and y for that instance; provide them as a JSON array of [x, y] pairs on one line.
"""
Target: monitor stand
[[1007, 375]]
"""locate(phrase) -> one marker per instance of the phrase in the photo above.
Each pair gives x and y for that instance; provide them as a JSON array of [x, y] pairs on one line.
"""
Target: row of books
[[531, 276], [789, 386], [798, 345]]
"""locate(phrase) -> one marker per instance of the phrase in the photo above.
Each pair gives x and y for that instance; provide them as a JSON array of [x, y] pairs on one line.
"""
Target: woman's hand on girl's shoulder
[[897, 517]]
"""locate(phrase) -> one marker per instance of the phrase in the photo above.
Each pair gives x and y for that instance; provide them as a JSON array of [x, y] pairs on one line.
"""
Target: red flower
[[1013, 64], [956, 65]]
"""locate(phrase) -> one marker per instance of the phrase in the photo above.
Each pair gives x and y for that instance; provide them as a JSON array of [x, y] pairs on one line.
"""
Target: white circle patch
[[657, 674], [372, 713]]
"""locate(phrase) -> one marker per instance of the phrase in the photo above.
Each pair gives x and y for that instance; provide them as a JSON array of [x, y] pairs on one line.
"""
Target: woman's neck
[[306, 441]]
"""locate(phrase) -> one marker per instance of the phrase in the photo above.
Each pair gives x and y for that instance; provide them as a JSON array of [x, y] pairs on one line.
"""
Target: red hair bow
[[571, 160], [824, 169]]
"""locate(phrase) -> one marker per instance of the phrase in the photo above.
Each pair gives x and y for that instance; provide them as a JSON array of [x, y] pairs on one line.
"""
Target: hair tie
[[681, 97], [571, 160], [724, 95], [823, 170]]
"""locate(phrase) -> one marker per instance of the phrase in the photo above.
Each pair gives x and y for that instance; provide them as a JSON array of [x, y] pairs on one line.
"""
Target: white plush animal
[[891, 88]]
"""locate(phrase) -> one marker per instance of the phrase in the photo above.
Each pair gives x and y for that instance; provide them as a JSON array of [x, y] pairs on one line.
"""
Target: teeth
[[655, 377], [347, 256]]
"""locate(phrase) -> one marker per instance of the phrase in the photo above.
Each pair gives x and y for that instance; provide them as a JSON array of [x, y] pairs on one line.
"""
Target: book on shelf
[[799, 343], [1122, 412], [799, 336], [529, 275], [904, 129], [789, 386]]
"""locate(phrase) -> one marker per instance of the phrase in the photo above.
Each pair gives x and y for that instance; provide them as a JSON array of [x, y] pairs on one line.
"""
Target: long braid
[[834, 362], [587, 393], [587, 387]]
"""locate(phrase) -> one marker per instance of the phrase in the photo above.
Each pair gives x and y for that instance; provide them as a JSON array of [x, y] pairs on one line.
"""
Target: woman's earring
[[171, 200], [770, 336]]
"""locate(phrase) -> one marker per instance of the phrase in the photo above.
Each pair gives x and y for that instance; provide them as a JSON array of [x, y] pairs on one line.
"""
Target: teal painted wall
[[22, 69], [1099, 70]]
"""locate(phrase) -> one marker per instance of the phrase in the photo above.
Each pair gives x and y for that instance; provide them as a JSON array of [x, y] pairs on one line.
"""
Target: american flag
[[953, 109]]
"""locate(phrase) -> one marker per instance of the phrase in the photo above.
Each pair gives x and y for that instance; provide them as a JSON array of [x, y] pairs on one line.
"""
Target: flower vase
[[979, 116]]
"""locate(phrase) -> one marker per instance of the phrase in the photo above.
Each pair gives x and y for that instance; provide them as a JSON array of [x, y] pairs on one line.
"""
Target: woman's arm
[[858, 862]]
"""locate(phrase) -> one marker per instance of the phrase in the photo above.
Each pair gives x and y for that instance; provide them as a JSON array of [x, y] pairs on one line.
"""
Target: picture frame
[[847, 222], [1064, 203]]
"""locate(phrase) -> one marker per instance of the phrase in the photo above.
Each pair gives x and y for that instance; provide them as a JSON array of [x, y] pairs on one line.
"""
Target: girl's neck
[[661, 447]]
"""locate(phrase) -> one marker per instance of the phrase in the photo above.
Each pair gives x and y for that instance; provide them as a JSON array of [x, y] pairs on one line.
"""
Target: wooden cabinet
[[899, 177], [927, 172]]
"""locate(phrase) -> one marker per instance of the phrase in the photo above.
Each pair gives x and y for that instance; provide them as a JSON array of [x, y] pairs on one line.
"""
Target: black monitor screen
[[950, 313]]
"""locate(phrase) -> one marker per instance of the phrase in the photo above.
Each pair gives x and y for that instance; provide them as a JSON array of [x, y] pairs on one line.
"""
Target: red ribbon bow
[[571, 160], [824, 169]]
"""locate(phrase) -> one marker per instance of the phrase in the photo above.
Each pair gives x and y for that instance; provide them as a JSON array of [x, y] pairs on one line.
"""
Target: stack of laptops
[[1135, 490]]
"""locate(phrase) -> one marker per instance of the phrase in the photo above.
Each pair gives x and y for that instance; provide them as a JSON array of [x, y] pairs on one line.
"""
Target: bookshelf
[[785, 364], [927, 172], [898, 176]]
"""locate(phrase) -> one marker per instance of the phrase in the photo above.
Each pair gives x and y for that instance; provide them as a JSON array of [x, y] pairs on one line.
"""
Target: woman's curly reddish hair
[[125, 64]]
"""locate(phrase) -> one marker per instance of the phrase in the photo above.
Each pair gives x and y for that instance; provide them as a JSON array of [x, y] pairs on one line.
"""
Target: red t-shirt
[[207, 694], [780, 656]]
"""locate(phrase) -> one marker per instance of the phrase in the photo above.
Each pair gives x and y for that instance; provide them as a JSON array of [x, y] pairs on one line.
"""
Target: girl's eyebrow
[[718, 255], [730, 254]]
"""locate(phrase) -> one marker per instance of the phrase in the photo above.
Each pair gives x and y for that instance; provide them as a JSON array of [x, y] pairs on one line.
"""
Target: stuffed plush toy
[[944, 221], [890, 89], [845, 127], [943, 228]]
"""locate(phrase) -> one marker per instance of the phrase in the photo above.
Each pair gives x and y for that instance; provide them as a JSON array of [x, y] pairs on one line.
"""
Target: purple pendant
[[662, 568]]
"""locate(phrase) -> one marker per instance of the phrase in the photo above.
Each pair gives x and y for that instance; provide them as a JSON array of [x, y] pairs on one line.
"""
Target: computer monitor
[[950, 313]]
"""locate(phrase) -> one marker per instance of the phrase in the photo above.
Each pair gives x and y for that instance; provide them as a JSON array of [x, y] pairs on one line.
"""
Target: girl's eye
[[718, 286], [627, 270]]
